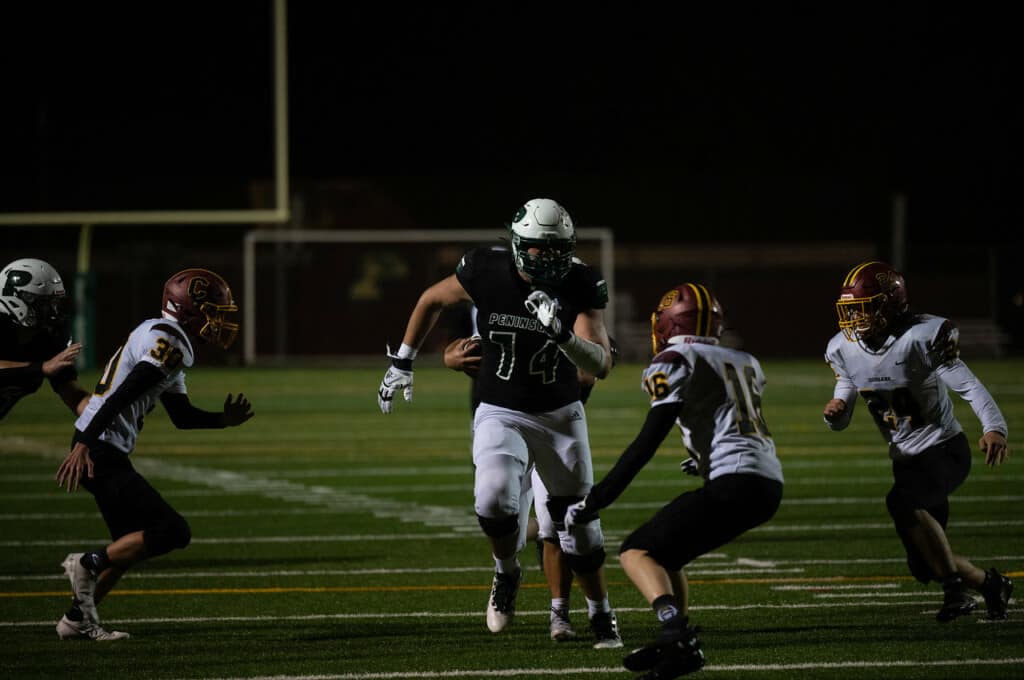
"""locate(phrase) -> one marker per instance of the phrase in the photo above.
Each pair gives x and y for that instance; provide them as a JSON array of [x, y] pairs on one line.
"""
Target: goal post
[[309, 251]]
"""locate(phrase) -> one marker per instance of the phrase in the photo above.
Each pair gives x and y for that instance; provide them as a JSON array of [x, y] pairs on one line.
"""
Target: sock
[[96, 561], [668, 612], [598, 607], [506, 566], [559, 607], [74, 613]]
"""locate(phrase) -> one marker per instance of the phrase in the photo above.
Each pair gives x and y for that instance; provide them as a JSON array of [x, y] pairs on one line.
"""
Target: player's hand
[[689, 466], [834, 410], [65, 358], [398, 377], [579, 513], [546, 309], [995, 447], [463, 354], [237, 412], [69, 473]]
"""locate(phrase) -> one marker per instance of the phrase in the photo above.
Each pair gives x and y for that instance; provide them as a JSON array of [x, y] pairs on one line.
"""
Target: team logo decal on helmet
[[200, 300], [543, 241], [872, 297], [40, 288], [687, 313]]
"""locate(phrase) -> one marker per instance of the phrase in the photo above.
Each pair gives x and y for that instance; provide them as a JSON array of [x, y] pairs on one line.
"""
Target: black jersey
[[522, 368], [22, 344]]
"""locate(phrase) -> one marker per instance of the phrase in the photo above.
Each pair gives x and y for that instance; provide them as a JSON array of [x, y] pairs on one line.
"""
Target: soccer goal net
[[327, 294]]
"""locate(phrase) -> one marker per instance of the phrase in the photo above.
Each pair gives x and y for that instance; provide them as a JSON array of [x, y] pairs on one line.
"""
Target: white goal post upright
[[603, 235]]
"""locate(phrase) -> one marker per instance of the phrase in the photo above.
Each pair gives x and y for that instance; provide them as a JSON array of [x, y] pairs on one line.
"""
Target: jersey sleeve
[[468, 271], [962, 380], [845, 388], [665, 378], [165, 347]]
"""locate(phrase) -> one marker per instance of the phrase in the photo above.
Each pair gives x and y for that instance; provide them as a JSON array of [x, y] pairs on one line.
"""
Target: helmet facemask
[[217, 329]]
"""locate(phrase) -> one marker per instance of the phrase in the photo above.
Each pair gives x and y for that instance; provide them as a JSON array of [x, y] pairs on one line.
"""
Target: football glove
[[579, 513], [398, 377], [546, 309], [689, 466]]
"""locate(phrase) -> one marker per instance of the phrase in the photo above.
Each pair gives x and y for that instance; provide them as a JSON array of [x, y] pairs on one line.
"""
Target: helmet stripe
[[703, 309], [852, 276]]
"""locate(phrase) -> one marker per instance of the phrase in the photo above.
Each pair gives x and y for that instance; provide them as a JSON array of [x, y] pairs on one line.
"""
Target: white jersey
[[720, 391], [904, 385], [161, 342]]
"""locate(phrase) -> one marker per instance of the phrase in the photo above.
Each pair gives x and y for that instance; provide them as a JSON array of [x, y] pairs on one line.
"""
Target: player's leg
[[501, 462], [561, 449], [919, 506], [556, 568]]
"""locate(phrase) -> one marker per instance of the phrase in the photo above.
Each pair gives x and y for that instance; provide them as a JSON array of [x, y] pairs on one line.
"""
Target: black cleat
[[605, 628], [678, 659], [650, 655], [956, 601], [996, 591]]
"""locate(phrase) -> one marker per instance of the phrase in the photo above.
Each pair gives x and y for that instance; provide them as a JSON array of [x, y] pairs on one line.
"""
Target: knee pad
[[172, 534], [502, 526], [586, 564]]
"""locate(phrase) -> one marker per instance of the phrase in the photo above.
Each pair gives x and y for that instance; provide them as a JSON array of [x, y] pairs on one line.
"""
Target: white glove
[[545, 309], [395, 379], [577, 513], [689, 466]]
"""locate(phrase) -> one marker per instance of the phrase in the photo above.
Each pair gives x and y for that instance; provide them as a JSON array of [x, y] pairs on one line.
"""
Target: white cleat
[[561, 629], [83, 585], [501, 606], [87, 630]]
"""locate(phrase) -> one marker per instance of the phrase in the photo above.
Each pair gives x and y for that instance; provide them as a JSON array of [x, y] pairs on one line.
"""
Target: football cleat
[[605, 627], [997, 594], [83, 585], [671, 655], [561, 628], [956, 602], [501, 606], [87, 630]]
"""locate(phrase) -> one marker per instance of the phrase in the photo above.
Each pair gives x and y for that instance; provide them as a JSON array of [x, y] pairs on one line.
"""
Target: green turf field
[[330, 541]]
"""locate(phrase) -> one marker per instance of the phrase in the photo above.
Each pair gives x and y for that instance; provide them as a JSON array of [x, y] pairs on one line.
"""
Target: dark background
[[751, 124]]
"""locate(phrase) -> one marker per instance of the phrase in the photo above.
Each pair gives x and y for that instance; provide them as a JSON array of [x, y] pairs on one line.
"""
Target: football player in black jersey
[[34, 343], [540, 317], [463, 354], [903, 365]]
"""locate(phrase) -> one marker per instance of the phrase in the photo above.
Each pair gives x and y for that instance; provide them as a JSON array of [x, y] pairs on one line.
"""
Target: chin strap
[[588, 356]]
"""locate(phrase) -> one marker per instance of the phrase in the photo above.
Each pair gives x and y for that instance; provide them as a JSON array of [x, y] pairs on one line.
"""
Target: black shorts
[[126, 500], [925, 481], [701, 520]]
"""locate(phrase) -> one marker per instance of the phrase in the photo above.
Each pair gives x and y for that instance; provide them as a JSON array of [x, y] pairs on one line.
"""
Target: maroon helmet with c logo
[[200, 300]]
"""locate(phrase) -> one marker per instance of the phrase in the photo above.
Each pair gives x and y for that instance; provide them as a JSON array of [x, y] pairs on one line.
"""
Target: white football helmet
[[40, 287], [15, 310], [542, 225]]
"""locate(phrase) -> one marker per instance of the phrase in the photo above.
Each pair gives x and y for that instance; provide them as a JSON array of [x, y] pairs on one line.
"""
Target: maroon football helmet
[[873, 296], [689, 309], [200, 300]]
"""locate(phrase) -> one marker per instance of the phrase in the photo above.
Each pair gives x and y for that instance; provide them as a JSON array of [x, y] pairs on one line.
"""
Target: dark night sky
[[773, 122]]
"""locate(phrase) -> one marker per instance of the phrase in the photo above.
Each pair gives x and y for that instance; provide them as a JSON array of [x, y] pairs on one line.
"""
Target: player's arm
[[73, 395], [590, 328], [660, 421], [959, 378], [143, 377], [186, 416], [463, 354], [839, 410], [432, 301]]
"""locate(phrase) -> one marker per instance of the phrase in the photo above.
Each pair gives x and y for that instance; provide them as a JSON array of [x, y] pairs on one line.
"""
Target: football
[[471, 346]]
